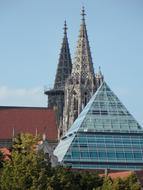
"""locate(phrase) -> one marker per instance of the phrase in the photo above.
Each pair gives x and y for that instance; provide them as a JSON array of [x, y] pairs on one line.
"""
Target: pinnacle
[[83, 65], [65, 28], [64, 65], [83, 13]]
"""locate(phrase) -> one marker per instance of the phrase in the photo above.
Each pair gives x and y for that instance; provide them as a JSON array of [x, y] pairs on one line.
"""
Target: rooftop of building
[[34, 120], [105, 135]]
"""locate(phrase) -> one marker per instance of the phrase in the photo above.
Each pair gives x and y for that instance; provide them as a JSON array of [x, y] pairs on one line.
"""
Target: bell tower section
[[56, 95]]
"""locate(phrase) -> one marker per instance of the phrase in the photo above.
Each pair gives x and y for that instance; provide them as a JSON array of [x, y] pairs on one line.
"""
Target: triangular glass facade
[[104, 136]]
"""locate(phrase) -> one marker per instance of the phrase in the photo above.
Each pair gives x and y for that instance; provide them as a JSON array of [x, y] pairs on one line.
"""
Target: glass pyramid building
[[104, 136]]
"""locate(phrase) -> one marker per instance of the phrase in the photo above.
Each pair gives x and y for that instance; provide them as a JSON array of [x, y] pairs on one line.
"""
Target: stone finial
[[83, 13], [65, 27]]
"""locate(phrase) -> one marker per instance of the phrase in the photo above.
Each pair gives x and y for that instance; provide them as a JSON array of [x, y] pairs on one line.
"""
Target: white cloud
[[22, 96]]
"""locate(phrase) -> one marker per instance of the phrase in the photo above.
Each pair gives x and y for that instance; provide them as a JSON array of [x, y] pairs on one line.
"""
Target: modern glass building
[[104, 136]]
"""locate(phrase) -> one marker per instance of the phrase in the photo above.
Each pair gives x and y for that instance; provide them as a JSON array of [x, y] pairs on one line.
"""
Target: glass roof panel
[[104, 135]]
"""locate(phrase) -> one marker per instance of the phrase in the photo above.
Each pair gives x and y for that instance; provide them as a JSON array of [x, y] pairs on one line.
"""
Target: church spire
[[56, 95], [80, 85], [64, 64], [83, 65]]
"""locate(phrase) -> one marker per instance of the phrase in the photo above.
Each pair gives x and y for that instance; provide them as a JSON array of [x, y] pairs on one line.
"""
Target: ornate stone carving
[[81, 84]]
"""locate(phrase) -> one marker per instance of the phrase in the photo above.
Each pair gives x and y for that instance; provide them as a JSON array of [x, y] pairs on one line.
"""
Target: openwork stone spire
[[81, 84], [83, 66], [65, 64]]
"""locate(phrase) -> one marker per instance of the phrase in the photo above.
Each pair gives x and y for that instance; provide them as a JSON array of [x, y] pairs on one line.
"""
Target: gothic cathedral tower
[[81, 84], [56, 95], [74, 84]]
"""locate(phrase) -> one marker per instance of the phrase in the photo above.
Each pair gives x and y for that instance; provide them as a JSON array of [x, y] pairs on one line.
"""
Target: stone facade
[[56, 95], [81, 84], [74, 84]]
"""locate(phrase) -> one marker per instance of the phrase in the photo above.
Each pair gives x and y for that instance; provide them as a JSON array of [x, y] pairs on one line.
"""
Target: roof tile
[[27, 120]]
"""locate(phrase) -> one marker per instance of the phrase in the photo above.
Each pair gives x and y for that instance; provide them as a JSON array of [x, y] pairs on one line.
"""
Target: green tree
[[63, 179], [90, 180], [26, 169], [118, 184], [129, 183], [132, 182], [107, 183], [30, 170]]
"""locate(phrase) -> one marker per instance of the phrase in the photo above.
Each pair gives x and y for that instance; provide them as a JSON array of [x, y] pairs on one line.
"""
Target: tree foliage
[[28, 170], [25, 170]]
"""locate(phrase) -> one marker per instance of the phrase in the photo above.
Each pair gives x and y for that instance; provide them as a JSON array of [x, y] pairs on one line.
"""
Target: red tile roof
[[116, 174], [121, 174], [27, 120], [6, 152]]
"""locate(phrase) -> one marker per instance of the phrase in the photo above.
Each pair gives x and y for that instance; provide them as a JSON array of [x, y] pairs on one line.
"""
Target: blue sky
[[30, 40]]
